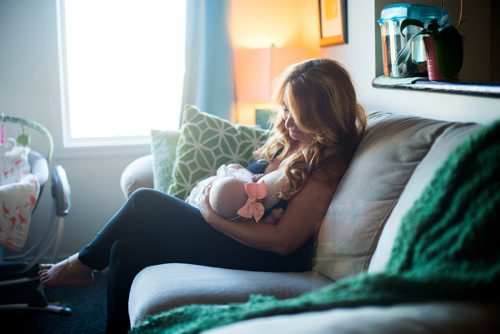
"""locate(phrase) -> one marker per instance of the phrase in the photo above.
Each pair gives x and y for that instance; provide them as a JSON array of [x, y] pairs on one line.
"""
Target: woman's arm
[[273, 217], [299, 222]]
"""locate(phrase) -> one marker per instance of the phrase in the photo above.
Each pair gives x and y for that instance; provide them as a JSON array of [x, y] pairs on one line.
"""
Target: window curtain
[[208, 82]]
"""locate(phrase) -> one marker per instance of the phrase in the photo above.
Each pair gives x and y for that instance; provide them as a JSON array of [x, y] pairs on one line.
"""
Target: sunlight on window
[[124, 66]]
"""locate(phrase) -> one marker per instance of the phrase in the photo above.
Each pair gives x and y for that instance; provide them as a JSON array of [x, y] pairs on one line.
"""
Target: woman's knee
[[142, 193], [159, 203], [146, 200]]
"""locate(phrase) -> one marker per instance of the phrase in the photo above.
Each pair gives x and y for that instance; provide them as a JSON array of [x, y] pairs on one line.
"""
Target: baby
[[237, 193]]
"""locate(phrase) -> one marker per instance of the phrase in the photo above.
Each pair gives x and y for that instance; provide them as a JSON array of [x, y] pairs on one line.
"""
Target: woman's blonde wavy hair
[[324, 106]]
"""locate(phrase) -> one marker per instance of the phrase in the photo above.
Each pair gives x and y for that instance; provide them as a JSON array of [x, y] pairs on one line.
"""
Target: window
[[122, 69]]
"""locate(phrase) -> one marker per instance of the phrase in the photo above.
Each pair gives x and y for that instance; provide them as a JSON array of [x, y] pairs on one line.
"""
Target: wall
[[29, 87], [258, 24], [252, 19], [284, 23]]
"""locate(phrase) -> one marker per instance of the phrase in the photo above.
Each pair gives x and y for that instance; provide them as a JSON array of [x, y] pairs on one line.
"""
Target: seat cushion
[[438, 317], [162, 287]]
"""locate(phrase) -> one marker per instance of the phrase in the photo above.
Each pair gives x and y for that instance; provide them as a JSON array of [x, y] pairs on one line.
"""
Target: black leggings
[[153, 228]]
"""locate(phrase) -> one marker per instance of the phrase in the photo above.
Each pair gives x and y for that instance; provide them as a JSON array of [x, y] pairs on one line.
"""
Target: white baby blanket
[[19, 191]]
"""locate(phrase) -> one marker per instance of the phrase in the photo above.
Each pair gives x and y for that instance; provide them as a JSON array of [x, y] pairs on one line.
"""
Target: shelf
[[423, 84]]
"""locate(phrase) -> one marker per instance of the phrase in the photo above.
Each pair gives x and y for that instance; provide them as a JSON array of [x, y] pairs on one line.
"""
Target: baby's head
[[227, 196]]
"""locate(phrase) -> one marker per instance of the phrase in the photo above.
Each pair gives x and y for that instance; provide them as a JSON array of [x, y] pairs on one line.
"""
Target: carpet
[[88, 312]]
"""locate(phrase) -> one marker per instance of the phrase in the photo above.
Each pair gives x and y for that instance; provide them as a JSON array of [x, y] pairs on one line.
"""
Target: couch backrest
[[447, 141], [395, 160]]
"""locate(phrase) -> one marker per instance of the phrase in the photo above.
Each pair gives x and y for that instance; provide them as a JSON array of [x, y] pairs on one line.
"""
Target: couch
[[394, 162]]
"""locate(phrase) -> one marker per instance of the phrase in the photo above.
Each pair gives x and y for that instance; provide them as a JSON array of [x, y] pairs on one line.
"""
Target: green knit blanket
[[447, 249]]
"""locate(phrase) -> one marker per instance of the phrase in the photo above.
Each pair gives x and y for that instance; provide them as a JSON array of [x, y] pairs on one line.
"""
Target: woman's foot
[[67, 272]]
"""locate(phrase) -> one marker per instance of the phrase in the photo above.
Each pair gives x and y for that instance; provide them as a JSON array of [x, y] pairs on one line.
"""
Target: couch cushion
[[443, 145], [162, 287], [206, 142], [438, 317], [390, 151], [163, 147]]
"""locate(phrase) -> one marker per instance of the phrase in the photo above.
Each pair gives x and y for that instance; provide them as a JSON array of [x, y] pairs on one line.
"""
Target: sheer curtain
[[208, 81]]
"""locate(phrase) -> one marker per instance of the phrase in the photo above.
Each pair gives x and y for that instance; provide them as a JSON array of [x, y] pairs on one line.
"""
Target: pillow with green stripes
[[206, 142]]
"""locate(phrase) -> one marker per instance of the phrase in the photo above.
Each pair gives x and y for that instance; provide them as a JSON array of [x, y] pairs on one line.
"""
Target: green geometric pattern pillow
[[163, 147], [206, 142]]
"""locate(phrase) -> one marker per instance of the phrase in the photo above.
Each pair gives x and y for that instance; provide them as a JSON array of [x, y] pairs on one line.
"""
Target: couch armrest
[[137, 174]]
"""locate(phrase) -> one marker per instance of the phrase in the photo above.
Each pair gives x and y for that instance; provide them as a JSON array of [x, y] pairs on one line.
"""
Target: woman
[[315, 134]]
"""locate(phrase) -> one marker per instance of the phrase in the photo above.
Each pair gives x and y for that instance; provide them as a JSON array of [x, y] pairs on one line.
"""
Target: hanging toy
[[23, 139]]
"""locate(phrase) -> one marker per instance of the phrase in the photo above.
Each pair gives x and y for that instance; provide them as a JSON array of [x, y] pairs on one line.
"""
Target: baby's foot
[[67, 272]]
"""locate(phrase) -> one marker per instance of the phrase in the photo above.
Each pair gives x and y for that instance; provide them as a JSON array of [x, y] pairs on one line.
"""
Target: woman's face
[[293, 130]]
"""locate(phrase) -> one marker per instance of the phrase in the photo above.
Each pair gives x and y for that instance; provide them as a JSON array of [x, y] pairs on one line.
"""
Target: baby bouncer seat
[[25, 174]]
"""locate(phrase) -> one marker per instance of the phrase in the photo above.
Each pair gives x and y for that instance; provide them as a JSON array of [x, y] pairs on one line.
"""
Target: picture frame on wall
[[332, 22]]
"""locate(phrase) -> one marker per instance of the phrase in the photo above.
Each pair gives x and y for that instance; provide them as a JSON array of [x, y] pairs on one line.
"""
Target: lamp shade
[[255, 70]]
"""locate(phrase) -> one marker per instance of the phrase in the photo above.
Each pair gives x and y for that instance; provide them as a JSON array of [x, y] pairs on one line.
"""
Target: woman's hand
[[273, 218]]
